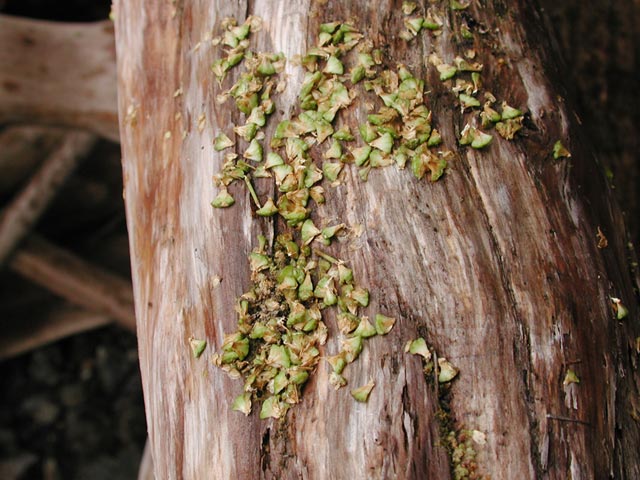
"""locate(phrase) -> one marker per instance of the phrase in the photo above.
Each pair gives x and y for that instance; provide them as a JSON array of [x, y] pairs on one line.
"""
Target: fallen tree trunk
[[60, 74], [503, 265]]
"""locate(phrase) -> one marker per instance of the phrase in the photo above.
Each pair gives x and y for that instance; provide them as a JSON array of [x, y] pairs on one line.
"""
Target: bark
[[604, 65], [497, 265]]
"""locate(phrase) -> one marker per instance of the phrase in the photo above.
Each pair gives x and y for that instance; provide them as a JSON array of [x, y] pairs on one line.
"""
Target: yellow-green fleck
[[559, 151], [365, 329], [414, 25], [271, 408], [344, 133], [459, 4], [298, 376], [197, 346], [384, 324], [361, 154], [345, 274], [254, 151], [620, 310], [418, 347], [468, 101], [383, 143], [446, 71], [408, 7], [447, 371], [337, 380], [508, 128], [331, 170], [309, 231], [367, 132], [509, 112], [475, 78], [223, 199], [489, 115], [435, 138], [465, 32], [335, 150], [279, 382], [242, 403], [432, 21], [273, 159], [221, 142], [351, 348], [305, 290], [347, 322], [361, 394], [329, 232], [570, 377], [268, 209], [337, 362], [480, 139], [361, 296], [258, 261], [334, 66], [279, 356]]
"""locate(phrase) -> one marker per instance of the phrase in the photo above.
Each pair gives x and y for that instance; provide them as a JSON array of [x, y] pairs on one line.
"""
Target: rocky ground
[[73, 410]]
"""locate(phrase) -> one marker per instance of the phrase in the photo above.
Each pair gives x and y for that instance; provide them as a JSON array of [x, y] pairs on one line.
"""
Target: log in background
[[496, 265]]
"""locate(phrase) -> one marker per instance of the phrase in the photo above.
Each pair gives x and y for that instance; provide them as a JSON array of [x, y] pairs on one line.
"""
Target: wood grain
[[496, 265]]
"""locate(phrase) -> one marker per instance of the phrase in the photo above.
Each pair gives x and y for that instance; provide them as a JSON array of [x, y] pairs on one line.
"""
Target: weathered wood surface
[[496, 265], [58, 74]]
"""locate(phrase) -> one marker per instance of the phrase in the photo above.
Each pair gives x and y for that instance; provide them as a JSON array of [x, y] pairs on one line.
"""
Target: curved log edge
[[59, 74], [497, 265]]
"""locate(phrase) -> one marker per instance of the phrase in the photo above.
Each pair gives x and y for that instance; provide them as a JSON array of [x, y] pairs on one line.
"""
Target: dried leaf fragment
[[337, 380], [337, 362], [361, 394], [570, 377], [619, 309], [418, 347], [268, 209], [334, 66], [446, 71], [480, 139], [468, 101], [242, 403], [309, 231], [197, 346], [559, 151], [254, 151], [479, 437], [459, 4], [508, 128], [384, 324], [602, 240], [509, 112], [408, 7], [271, 408], [365, 329], [447, 371], [221, 142], [223, 199]]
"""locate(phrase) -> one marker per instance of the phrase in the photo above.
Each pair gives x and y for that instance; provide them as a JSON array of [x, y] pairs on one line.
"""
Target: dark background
[[74, 410]]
